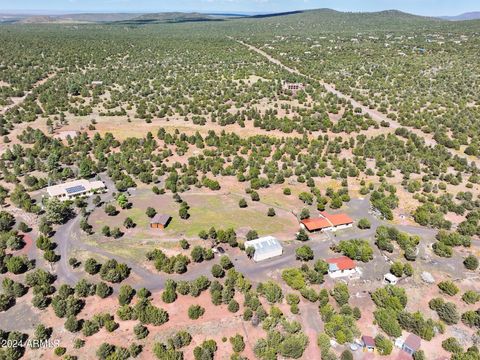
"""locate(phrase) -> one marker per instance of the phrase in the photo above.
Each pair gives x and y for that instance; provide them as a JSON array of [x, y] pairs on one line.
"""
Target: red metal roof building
[[342, 263], [327, 221]]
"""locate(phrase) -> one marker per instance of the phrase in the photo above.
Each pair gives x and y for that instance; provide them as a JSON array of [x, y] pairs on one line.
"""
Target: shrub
[[195, 311], [140, 331], [363, 223], [471, 297], [383, 345], [225, 262], [346, 355], [446, 311], [217, 271], [397, 269], [125, 294], [233, 306], [302, 235], [114, 272], [448, 287], [471, 262], [294, 278], [238, 344], [271, 290], [60, 351], [387, 320], [92, 266], [169, 295], [340, 293], [304, 253], [356, 249], [150, 212], [102, 290], [293, 346], [452, 345]]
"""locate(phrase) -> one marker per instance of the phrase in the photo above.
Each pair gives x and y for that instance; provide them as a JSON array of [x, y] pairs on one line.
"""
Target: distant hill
[[77, 18], [475, 15], [170, 17], [327, 20], [302, 20]]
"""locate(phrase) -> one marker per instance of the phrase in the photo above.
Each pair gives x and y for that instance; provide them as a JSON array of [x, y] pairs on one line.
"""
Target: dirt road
[[18, 100], [374, 114]]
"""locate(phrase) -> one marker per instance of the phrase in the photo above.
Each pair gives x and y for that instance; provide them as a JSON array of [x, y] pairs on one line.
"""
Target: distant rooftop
[[75, 187]]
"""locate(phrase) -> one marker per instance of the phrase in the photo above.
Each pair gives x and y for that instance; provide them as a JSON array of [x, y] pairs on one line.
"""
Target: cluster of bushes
[[471, 297], [470, 226], [271, 291], [399, 269], [385, 235], [429, 214], [471, 318], [446, 311], [205, 351], [446, 241], [289, 342], [111, 271], [355, 249], [298, 278], [384, 203], [171, 350], [14, 264], [224, 294], [448, 287], [91, 327], [194, 287], [109, 351], [143, 311], [41, 281], [340, 325], [392, 317], [64, 303], [199, 254], [173, 264], [11, 290], [220, 236]]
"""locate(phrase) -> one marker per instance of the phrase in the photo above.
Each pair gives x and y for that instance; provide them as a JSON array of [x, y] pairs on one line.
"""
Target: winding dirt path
[[18, 100], [374, 114]]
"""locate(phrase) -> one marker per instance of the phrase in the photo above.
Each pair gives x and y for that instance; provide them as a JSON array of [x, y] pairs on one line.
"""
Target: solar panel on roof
[[75, 189]]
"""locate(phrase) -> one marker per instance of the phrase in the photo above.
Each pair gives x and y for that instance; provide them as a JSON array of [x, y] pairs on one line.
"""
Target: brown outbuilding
[[160, 221]]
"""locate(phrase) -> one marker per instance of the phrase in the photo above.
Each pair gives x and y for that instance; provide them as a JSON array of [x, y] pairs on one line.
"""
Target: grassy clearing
[[223, 212], [126, 247]]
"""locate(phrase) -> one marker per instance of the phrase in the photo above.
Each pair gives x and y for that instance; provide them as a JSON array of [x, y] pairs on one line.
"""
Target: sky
[[420, 7]]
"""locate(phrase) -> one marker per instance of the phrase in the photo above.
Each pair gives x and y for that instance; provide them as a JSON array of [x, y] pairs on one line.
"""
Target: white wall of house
[[342, 273], [267, 255], [339, 227]]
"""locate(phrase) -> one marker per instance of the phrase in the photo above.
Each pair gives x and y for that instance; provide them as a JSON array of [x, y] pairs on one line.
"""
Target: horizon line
[[213, 12]]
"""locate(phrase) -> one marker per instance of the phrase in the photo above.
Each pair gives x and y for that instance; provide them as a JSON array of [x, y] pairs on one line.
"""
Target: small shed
[[160, 221], [412, 344], [368, 343]]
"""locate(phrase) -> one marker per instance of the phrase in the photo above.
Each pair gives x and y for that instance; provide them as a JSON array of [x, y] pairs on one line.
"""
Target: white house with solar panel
[[76, 188], [265, 248]]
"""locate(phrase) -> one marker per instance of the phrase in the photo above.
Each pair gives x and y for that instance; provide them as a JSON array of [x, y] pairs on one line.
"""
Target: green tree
[[304, 253]]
